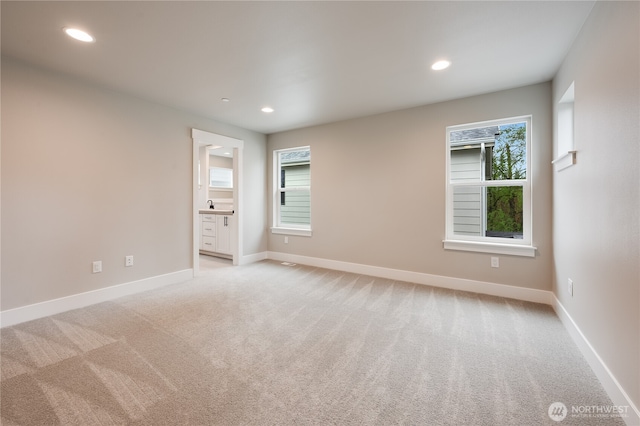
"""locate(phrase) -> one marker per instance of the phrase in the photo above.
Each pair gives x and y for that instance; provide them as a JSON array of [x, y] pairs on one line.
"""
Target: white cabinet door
[[223, 234]]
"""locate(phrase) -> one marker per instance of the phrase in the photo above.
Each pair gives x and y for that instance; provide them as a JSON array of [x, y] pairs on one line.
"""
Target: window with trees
[[489, 187], [292, 188]]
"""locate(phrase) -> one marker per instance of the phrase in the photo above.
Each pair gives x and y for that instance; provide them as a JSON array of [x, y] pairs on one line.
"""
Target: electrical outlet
[[128, 261], [570, 286], [495, 262], [286, 240], [97, 266]]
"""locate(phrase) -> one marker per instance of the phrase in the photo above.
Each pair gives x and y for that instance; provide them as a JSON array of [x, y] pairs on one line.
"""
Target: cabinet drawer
[[208, 229], [209, 243], [208, 217]]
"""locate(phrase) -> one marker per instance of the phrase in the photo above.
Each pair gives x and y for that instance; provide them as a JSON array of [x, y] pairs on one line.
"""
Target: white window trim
[[565, 112], [565, 160], [288, 228], [507, 246], [301, 232], [493, 248]]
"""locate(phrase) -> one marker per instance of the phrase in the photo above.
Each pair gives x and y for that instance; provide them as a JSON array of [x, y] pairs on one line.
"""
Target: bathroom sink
[[216, 211]]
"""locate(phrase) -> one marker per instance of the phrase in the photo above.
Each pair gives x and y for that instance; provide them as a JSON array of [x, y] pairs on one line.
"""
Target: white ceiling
[[313, 62]]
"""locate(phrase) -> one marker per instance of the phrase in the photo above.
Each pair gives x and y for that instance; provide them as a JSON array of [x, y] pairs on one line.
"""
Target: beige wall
[[378, 189], [596, 202], [89, 174]]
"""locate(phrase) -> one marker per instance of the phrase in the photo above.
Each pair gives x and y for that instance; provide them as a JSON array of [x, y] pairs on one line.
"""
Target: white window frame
[[483, 244], [287, 228], [566, 153]]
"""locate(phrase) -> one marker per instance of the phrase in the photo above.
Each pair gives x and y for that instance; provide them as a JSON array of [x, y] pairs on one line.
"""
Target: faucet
[[210, 203]]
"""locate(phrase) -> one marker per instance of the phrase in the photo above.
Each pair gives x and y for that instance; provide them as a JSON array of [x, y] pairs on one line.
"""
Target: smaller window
[[565, 155], [565, 122], [292, 195]]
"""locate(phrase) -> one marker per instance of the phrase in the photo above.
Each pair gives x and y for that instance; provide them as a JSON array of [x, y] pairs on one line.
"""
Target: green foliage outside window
[[504, 204]]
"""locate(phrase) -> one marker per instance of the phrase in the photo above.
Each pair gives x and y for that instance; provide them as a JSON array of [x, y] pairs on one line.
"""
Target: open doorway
[[223, 187]]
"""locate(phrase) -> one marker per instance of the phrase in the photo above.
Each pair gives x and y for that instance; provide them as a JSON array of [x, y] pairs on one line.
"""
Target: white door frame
[[203, 138]]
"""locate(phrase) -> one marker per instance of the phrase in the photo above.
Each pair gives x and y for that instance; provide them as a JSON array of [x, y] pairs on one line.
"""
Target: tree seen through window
[[508, 162]]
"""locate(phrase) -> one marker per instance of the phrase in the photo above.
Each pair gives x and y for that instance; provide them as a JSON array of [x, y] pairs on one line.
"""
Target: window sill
[[565, 161], [291, 231], [493, 248]]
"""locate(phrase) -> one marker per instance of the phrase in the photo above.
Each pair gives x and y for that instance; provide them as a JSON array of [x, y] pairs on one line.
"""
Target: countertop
[[216, 211]]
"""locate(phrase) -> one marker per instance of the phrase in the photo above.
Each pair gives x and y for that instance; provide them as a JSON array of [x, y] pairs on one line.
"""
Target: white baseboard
[[250, 258], [610, 384], [502, 290], [80, 300]]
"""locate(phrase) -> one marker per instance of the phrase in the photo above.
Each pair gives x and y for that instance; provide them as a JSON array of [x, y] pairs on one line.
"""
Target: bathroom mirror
[[220, 177]]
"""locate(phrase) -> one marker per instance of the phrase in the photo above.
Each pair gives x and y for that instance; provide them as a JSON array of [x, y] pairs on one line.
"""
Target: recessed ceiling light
[[225, 100], [267, 109], [227, 153], [79, 35], [440, 65]]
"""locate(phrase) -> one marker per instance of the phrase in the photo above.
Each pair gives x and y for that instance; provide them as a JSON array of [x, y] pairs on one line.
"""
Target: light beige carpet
[[267, 344]]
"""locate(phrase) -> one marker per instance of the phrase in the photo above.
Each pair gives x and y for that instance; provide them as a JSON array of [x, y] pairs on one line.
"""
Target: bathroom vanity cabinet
[[215, 233]]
